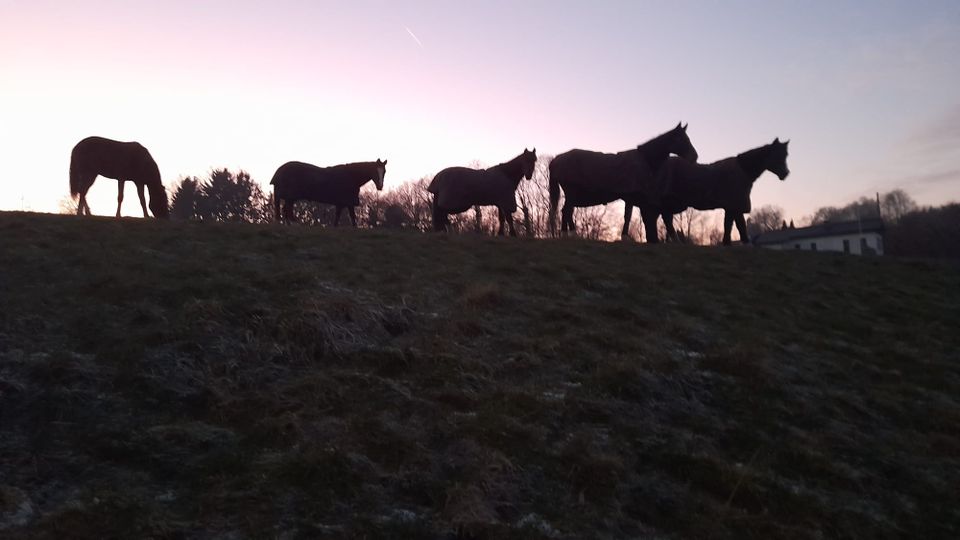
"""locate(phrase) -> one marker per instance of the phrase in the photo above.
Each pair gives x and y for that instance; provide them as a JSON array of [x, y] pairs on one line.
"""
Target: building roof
[[837, 228]]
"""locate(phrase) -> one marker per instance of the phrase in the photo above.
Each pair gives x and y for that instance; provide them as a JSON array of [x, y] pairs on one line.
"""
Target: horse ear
[[384, 162], [786, 142], [685, 126], [776, 141], [534, 151], [679, 125]]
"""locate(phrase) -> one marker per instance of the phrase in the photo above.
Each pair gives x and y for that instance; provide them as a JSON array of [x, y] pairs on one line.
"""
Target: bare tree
[[533, 200], [67, 205], [895, 204], [862, 208], [765, 219], [406, 206]]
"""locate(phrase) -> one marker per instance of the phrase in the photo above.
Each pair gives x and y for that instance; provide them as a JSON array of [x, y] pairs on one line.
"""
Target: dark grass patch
[[257, 381]]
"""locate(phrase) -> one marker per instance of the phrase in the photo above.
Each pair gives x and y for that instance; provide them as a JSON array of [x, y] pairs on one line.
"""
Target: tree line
[[226, 196]]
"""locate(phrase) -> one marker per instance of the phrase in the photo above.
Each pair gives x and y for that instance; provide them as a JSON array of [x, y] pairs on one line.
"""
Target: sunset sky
[[867, 92]]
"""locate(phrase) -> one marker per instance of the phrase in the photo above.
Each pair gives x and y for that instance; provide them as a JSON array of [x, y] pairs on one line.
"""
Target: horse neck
[[151, 179], [656, 150], [511, 169], [362, 172], [753, 162]]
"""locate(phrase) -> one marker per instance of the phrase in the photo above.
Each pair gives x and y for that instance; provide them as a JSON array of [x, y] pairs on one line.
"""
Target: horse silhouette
[[591, 178], [338, 185], [457, 189], [724, 184], [120, 161]]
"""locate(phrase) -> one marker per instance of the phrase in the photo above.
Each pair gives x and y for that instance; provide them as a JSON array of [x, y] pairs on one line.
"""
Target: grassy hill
[[175, 380]]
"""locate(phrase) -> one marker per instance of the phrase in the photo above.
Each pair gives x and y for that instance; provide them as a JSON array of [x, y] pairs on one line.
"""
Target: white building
[[864, 237]]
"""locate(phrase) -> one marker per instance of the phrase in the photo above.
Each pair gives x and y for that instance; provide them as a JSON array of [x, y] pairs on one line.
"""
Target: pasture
[[187, 380]]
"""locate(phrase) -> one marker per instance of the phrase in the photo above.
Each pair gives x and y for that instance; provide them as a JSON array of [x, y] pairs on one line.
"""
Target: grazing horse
[[723, 184], [338, 185], [591, 178], [121, 161], [456, 189]]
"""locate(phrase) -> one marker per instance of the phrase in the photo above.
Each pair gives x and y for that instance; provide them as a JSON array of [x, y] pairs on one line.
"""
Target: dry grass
[[174, 380]]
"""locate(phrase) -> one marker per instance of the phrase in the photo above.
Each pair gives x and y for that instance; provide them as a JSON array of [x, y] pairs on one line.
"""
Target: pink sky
[[867, 98]]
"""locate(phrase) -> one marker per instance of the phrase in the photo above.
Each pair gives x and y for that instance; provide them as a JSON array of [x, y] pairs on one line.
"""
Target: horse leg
[[439, 217], [506, 218], [353, 215], [288, 212], [627, 216], [566, 219], [336, 220], [727, 225], [120, 184], [649, 218], [82, 204], [671, 231], [742, 228], [143, 201], [276, 208]]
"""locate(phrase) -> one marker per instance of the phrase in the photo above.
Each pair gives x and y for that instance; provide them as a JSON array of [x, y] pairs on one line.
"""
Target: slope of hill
[[176, 380]]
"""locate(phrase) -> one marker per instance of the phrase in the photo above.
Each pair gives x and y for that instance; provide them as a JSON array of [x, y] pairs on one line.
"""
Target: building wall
[[835, 243]]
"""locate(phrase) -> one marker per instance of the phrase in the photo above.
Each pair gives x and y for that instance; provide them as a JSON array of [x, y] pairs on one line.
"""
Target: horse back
[[114, 159], [296, 180], [458, 188], [719, 185], [588, 172]]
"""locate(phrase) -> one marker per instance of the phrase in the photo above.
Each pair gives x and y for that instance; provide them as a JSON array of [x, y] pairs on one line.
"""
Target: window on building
[[813, 246], [879, 244], [863, 245], [846, 246], [796, 246]]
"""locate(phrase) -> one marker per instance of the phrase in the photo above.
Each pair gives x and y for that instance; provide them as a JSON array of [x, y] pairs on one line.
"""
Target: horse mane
[[511, 169], [358, 166], [754, 161], [656, 151]]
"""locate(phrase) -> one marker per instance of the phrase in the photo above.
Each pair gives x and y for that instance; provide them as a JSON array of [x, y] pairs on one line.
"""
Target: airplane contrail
[[414, 36]]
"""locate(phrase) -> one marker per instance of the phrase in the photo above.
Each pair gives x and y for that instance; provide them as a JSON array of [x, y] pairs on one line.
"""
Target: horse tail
[[275, 182], [554, 199], [74, 175]]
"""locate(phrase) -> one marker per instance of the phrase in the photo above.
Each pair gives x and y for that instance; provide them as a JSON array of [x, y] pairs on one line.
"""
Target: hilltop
[[176, 380]]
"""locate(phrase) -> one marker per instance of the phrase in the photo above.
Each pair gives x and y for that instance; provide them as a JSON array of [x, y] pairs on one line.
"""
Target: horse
[[590, 178], [724, 184], [338, 185], [120, 161], [457, 189]]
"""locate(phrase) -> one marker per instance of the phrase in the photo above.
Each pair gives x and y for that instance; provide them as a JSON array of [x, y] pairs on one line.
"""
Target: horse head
[[776, 161], [680, 143], [528, 160], [658, 149], [381, 171], [158, 202]]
